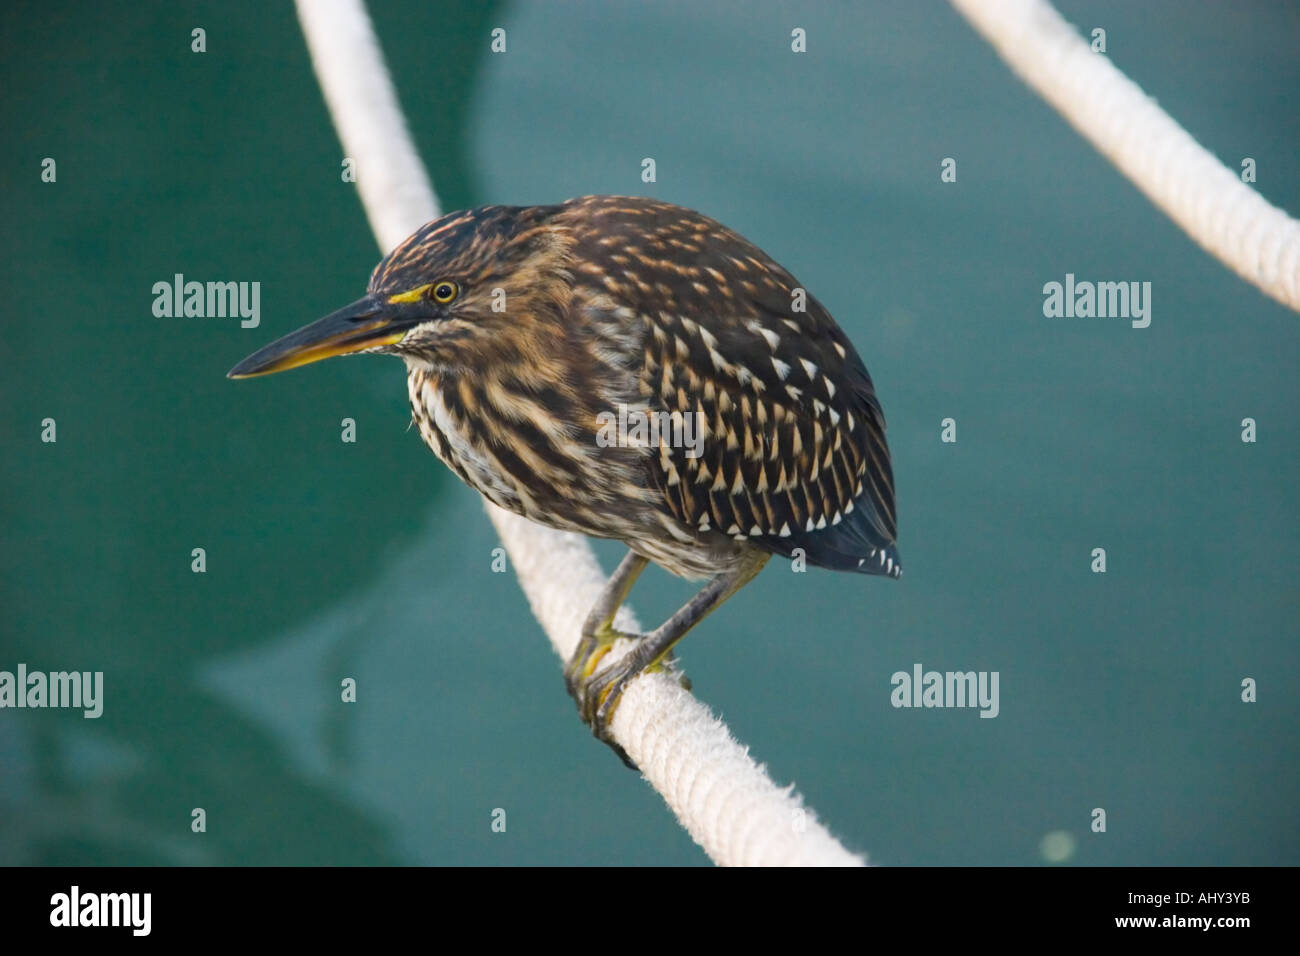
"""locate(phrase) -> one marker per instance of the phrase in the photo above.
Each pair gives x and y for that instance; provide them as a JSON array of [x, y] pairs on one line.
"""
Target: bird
[[544, 344]]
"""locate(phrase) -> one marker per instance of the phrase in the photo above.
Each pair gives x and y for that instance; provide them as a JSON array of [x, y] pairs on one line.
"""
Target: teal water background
[[370, 560]]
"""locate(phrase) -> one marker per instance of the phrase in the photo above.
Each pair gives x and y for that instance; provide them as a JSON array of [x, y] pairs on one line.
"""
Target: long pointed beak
[[365, 324]]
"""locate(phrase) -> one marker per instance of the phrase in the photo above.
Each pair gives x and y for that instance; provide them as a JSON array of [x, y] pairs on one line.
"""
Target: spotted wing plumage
[[794, 453]]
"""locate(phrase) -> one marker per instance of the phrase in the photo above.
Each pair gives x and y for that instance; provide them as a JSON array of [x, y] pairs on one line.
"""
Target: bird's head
[[450, 295]]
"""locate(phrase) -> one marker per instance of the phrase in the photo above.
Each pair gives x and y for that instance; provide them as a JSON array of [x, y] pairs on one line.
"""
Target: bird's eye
[[444, 292]]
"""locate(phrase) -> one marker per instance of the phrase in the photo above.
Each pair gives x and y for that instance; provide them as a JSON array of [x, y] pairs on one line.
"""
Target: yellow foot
[[591, 650], [598, 694]]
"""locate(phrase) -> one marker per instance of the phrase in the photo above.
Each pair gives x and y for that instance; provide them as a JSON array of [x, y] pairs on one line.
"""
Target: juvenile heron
[[527, 331]]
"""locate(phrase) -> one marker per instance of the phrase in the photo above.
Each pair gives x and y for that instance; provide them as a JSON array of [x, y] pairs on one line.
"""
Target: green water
[[327, 560]]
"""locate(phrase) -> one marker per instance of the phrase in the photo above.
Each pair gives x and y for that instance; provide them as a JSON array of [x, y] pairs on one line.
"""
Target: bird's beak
[[365, 324]]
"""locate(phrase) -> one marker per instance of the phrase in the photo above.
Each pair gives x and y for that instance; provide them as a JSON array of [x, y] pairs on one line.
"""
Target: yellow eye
[[444, 292]]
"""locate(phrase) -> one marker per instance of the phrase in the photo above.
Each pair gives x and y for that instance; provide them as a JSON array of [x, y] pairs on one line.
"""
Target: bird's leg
[[598, 634], [600, 693]]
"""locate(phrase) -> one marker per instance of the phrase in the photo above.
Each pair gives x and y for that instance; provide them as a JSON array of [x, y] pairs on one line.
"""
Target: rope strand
[[1208, 201], [725, 801]]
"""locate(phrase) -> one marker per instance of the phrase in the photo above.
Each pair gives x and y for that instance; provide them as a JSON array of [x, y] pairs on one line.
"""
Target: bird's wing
[[790, 447], [793, 452]]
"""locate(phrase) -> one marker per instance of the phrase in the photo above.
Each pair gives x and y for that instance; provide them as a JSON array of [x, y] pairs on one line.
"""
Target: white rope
[[723, 799], [1209, 201]]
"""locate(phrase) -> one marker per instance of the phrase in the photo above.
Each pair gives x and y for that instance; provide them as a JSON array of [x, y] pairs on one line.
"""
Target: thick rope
[[725, 801], [1209, 201]]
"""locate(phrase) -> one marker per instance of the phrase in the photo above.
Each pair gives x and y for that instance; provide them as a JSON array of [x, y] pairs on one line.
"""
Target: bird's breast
[[452, 438]]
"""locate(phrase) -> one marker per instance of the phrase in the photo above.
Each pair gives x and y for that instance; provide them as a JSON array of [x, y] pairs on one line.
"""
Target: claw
[[599, 698], [590, 651], [598, 694]]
